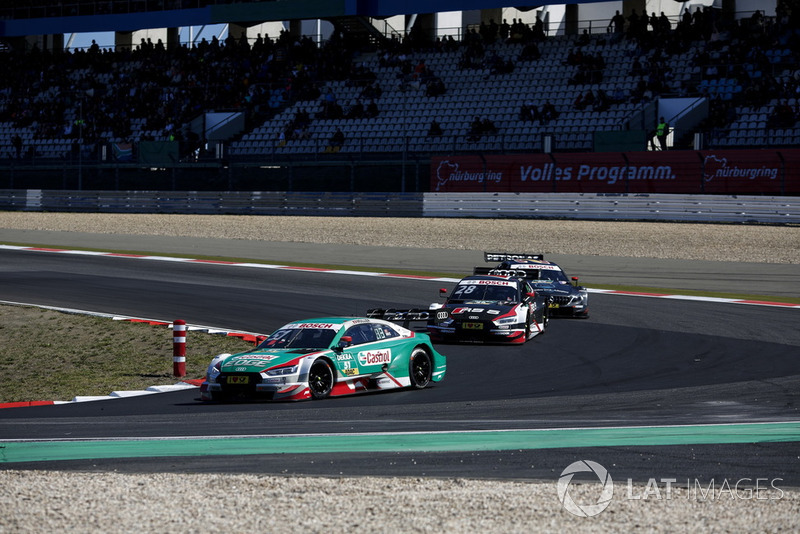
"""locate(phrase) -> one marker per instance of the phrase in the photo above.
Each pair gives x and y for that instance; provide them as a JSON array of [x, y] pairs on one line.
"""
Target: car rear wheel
[[320, 379], [420, 368]]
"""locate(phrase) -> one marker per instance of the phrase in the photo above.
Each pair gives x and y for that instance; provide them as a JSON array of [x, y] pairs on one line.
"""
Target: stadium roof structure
[[23, 20]]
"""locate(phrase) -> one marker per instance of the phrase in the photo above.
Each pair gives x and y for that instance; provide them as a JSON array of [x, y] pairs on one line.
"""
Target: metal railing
[[694, 208]]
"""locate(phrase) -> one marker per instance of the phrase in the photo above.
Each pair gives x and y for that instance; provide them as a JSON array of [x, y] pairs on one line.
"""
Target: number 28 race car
[[566, 297], [330, 356], [489, 308]]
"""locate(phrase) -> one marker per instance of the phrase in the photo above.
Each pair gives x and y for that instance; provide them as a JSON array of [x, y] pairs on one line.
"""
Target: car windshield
[[482, 292], [552, 276], [299, 338]]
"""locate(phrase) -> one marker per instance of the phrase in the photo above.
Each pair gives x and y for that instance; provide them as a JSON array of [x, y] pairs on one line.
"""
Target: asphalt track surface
[[637, 364]]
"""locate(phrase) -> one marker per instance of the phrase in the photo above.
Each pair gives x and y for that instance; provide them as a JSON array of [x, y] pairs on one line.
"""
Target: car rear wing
[[404, 316], [495, 257], [529, 274]]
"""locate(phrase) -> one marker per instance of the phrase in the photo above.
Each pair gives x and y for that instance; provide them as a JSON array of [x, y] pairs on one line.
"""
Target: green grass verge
[[50, 355]]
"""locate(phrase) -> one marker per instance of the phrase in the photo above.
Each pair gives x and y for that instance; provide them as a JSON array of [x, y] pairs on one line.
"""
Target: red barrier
[[680, 171], [179, 348]]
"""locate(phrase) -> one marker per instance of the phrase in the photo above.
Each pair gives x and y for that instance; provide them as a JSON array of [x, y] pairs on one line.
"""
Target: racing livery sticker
[[487, 283], [329, 326], [250, 362], [375, 357]]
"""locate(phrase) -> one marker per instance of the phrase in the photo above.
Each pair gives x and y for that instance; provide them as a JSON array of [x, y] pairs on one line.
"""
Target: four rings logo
[[518, 273], [583, 509]]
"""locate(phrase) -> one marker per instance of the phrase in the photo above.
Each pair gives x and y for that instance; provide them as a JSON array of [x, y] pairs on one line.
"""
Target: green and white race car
[[330, 356]]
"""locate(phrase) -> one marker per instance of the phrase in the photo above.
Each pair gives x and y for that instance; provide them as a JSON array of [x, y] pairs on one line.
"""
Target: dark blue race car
[[566, 297]]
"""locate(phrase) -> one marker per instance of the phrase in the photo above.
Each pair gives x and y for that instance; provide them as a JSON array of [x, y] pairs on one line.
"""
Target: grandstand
[[731, 77]]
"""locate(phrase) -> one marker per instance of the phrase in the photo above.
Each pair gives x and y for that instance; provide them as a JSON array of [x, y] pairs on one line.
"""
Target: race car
[[567, 298], [489, 308], [330, 356]]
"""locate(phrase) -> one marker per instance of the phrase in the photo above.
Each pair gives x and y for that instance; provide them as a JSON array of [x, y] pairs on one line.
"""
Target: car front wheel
[[420, 368], [320, 379]]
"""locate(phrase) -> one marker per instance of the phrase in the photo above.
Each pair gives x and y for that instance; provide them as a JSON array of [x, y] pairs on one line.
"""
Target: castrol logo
[[375, 357]]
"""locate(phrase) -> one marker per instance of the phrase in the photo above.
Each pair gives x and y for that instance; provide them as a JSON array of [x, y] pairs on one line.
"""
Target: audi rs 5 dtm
[[331, 356], [493, 309]]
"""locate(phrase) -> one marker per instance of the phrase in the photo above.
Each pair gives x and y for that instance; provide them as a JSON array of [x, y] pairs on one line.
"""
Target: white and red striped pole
[[179, 348]]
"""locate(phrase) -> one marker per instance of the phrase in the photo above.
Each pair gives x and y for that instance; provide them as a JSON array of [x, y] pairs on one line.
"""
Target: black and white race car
[[566, 297], [483, 308], [489, 308]]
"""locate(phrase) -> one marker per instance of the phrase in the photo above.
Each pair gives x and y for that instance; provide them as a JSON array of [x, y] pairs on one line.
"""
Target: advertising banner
[[684, 172], [742, 171]]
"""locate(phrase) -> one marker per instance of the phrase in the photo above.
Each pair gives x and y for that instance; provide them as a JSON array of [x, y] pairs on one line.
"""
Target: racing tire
[[420, 368], [528, 327], [545, 320], [320, 379]]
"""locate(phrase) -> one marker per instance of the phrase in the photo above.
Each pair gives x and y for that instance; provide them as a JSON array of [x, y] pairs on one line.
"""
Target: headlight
[[507, 320], [214, 367], [280, 371]]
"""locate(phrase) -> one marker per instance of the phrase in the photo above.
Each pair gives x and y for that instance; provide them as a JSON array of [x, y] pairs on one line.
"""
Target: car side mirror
[[575, 281], [442, 293], [346, 341]]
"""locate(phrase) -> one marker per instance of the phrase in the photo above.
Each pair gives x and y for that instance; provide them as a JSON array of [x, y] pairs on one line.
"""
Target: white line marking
[[390, 275]]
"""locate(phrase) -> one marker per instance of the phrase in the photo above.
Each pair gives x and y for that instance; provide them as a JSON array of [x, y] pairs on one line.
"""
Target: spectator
[[372, 91], [530, 52], [662, 131], [619, 95], [782, 116], [602, 102], [548, 112], [356, 111], [336, 142], [618, 23], [435, 87], [527, 112], [17, 142], [585, 100], [488, 127], [505, 30], [633, 24], [372, 110], [435, 130], [475, 130]]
